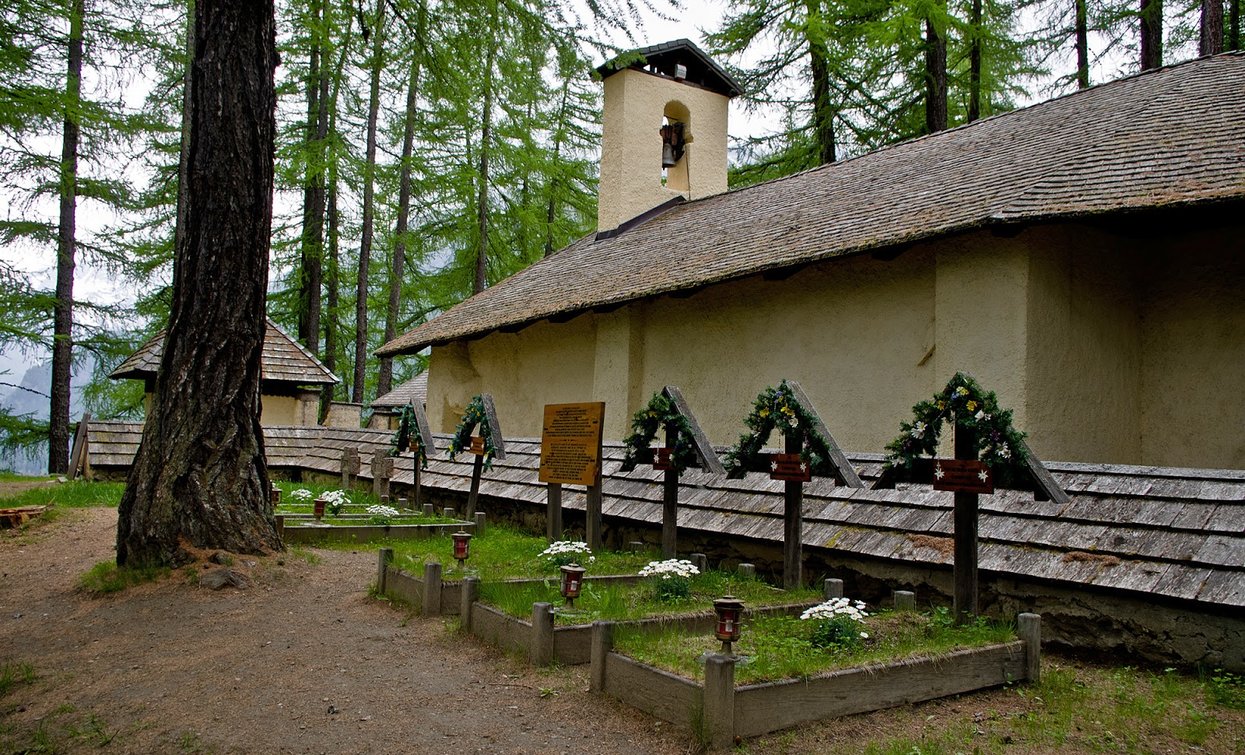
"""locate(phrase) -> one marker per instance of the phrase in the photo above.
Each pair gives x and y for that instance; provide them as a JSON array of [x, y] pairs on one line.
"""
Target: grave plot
[[308, 516]]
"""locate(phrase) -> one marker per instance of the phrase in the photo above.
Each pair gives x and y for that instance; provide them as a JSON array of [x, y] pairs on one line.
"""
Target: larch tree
[[199, 479]]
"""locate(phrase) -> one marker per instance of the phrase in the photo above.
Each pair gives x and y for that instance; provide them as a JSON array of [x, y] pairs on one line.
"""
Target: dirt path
[[302, 661]]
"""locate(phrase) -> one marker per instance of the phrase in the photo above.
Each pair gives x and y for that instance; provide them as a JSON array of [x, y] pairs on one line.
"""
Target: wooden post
[[700, 561], [280, 521], [432, 589], [719, 702], [382, 470], [553, 515], [905, 600], [602, 644], [415, 475], [832, 588], [670, 501], [793, 519], [965, 515], [477, 469], [1029, 627], [470, 593], [382, 569], [350, 467], [480, 523], [80, 452], [542, 634], [428, 511], [748, 571], [593, 511], [448, 512]]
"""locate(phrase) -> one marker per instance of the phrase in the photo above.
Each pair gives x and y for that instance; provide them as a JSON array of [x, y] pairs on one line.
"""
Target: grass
[[13, 674], [782, 647], [359, 498], [629, 602], [75, 494], [106, 577], [62, 730], [503, 553]]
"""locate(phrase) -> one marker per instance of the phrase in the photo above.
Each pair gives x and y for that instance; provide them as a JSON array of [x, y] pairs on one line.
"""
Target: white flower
[[793, 422], [336, 497], [918, 430], [981, 415], [1004, 451], [563, 547], [670, 569], [854, 610], [864, 635], [385, 511], [301, 494]]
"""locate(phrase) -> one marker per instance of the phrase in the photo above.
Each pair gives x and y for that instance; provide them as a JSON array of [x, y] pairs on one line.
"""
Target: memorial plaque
[[789, 467], [570, 444], [962, 476], [661, 460], [477, 445]]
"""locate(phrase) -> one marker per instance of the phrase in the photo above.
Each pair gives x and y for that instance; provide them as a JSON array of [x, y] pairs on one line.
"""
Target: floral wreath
[[462, 434], [660, 412], [963, 401], [778, 408], [408, 430]]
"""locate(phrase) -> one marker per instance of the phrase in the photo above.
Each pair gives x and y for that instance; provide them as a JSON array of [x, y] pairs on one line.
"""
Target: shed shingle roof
[[284, 360], [412, 391], [1167, 137]]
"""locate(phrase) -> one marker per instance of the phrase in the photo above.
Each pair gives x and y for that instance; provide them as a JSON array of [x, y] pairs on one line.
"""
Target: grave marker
[[570, 454]]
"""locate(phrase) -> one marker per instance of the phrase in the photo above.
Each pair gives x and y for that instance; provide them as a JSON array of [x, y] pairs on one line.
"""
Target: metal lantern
[[318, 508], [729, 609], [462, 546], [572, 581], [275, 495]]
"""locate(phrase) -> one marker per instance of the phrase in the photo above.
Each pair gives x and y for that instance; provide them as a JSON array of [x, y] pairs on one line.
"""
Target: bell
[[668, 159]]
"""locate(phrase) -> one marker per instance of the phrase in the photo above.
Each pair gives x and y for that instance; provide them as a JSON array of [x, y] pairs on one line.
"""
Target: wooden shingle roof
[[1166, 137], [284, 360], [413, 391], [1158, 531]]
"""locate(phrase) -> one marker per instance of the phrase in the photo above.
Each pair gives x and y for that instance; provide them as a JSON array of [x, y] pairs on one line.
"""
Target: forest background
[[430, 148]]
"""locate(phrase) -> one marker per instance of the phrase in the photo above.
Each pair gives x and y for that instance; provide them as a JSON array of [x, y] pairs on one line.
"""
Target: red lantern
[[462, 546], [319, 508], [572, 581], [729, 609]]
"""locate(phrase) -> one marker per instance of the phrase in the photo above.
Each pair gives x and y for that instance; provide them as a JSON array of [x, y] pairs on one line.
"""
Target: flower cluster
[[852, 609], [837, 624], [383, 515], [335, 501], [672, 578], [301, 494], [407, 433], [661, 413], [475, 415], [565, 552], [999, 444], [779, 408]]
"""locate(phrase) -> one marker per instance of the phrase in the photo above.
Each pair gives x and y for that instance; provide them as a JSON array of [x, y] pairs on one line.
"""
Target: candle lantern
[[462, 546], [729, 609], [275, 495], [572, 581], [318, 508]]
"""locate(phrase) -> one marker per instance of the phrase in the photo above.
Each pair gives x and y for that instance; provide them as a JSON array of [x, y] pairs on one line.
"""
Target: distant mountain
[[38, 380]]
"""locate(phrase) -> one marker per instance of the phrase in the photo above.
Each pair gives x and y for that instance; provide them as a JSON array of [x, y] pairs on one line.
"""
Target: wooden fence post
[[719, 701], [470, 593], [432, 589], [382, 569], [905, 600], [541, 653], [595, 536], [832, 588], [602, 644], [350, 467], [1029, 627], [670, 500]]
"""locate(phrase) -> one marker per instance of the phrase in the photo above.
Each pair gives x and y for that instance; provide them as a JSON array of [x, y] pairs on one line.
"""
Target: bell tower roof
[[662, 60]]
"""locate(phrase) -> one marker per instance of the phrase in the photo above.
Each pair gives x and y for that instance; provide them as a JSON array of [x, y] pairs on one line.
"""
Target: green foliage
[[106, 577], [838, 633], [778, 408], [13, 673], [74, 494], [408, 433], [1226, 689], [473, 417], [661, 413]]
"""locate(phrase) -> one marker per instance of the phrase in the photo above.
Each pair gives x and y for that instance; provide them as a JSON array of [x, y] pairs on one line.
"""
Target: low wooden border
[[364, 533], [726, 711]]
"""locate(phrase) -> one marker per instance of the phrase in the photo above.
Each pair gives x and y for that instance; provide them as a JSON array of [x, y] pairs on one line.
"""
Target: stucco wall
[[630, 181], [1106, 349]]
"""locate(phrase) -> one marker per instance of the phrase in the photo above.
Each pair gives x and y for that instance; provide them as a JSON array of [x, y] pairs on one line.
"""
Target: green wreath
[[408, 428], [778, 408], [963, 401], [462, 434], [660, 413]]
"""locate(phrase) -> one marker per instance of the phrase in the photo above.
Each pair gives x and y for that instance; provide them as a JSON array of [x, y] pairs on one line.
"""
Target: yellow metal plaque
[[570, 445]]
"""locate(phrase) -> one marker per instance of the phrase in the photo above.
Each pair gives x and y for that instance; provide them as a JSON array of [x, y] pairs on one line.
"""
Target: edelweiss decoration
[[778, 408], [999, 445], [660, 413], [475, 415]]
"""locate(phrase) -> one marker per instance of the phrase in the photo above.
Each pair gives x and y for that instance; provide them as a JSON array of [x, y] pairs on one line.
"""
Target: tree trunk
[[1151, 34], [1082, 44], [481, 272], [369, 191], [332, 268], [935, 78], [62, 319], [1234, 25], [823, 110], [312, 247], [199, 479], [384, 380], [183, 161], [974, 63], [1211, 41]]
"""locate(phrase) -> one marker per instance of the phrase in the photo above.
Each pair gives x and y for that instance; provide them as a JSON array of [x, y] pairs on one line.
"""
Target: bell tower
[[663, 133]]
